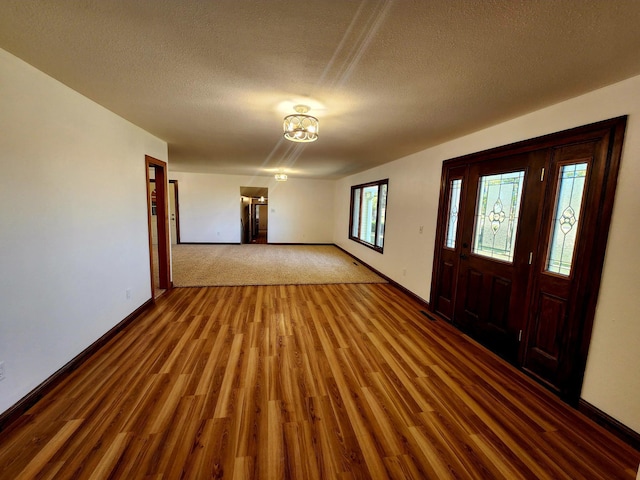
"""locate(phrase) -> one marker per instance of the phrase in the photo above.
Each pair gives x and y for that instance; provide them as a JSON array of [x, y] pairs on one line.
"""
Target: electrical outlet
[[1, 371], [128, 294]]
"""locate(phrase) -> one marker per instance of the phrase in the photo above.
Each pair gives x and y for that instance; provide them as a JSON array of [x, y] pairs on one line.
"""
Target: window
[[569, 199], [497, 215], [368, 209], [452, 217]]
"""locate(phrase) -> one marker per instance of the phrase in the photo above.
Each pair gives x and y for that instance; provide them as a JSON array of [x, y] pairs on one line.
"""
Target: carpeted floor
[[225, 265]]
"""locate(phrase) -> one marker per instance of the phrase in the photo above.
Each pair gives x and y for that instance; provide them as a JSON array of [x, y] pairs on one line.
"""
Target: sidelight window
[[368, 212], [569, 197], [452, 216]]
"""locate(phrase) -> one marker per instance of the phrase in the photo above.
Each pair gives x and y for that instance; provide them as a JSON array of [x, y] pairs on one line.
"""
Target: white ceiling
[[385, 78]]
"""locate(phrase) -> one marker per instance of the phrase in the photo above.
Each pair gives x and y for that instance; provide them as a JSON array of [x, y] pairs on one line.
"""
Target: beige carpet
[[223, 265]]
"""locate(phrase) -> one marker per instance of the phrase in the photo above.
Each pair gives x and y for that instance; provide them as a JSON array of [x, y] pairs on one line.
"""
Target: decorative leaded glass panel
[[497, 215], [562, 241], [454, 206]]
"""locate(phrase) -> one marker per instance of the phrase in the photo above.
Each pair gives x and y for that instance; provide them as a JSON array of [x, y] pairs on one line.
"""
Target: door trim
[[162, 214], [613, 131]]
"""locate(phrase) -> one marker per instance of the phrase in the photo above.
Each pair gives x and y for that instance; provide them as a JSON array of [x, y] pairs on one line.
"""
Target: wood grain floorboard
[[302, 382]]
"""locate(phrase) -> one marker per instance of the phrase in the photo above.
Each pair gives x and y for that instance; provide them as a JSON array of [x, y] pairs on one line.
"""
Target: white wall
[[612, 379], [74, 233], [408, 254], [300, 210]]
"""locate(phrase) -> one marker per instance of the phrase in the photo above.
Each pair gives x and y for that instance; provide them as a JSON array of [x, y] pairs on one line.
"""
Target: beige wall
[[612, 379]]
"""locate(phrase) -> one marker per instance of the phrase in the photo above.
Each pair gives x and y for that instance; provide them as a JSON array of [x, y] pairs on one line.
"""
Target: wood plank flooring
[[302, 382]]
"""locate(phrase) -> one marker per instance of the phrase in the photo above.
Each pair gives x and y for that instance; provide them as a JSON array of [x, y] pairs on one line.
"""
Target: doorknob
[[464, 256]]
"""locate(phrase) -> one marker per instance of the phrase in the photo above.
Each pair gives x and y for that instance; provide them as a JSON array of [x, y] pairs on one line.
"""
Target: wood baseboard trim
[[619, 429], [210, 243], [10, 418], [392, 282], [296, 243]]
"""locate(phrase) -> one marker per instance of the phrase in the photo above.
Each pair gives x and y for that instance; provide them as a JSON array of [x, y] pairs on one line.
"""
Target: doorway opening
[[254, 214], [520, 244], [158, 224], [174, 212]]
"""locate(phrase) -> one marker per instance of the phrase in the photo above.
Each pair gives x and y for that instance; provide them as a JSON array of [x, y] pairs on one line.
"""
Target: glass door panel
[[455, 189], [497, 213], [568, 205]]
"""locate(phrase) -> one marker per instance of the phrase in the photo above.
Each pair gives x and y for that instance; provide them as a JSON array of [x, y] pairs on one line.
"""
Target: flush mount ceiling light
[[281, 177], [300, 127]]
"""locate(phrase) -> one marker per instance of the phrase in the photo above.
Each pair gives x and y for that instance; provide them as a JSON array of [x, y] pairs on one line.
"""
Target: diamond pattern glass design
[[562, 241], [454, 206], [497, 215]]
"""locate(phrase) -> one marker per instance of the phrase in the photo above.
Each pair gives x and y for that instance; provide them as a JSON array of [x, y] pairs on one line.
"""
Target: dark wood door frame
[[177, 204], [162, 215], [587, 284]]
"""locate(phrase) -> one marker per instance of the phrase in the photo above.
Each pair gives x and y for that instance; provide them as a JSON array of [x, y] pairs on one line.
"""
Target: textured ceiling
[[385, 78]]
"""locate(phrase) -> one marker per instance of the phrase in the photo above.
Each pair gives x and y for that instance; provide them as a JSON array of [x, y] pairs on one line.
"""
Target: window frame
[[379, 184]]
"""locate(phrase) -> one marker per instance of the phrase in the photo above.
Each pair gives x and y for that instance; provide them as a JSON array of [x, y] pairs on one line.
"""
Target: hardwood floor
[[303, 382], [261, 237]]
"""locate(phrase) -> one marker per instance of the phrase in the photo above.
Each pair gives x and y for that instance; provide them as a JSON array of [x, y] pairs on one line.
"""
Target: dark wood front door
[[520, 246], [498, 229]]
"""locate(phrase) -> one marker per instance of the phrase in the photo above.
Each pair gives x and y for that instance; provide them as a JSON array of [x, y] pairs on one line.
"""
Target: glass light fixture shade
[[300, 127], [281, 177]]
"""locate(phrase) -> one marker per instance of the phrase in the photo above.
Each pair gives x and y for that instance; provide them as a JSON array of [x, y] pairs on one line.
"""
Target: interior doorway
[[261, 223], [158, 225], [520, 245], [254, 214]]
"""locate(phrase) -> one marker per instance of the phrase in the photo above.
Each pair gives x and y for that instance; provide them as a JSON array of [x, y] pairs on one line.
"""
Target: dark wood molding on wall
[[619, 429], [10, 418], [404, 290], [296, 243], [210, 243]]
